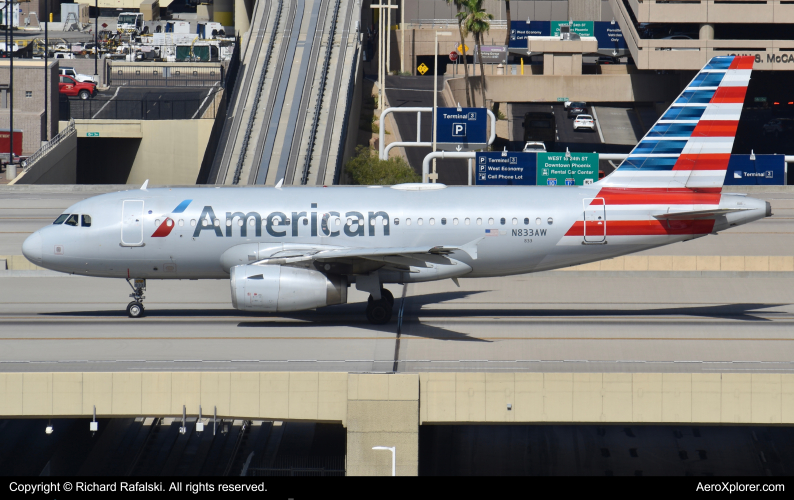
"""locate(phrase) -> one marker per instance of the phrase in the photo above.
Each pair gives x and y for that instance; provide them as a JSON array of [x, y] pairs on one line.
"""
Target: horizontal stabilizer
[[698, 214]]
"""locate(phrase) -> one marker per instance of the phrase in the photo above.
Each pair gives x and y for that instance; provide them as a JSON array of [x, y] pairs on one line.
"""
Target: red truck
[[72, 88], [5, 142]]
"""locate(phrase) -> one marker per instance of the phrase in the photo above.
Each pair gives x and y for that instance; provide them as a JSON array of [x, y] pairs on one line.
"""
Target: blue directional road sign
[[764, 170], [506, 168], [461, 130], [520, 30]]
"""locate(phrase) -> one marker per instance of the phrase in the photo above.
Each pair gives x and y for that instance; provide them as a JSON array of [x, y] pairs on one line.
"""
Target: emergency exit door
[[132, 223], [595, 220]]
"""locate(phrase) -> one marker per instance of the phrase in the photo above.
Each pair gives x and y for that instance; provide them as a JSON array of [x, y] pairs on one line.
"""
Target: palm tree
[[459, 5], [476, 21]]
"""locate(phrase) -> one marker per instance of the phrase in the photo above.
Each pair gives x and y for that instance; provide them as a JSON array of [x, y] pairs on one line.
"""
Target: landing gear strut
[[135, 308], [379, 311]]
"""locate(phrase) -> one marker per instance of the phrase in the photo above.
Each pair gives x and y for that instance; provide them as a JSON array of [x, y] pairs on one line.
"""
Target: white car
[[584, 121], [534, 147], [68, 71]]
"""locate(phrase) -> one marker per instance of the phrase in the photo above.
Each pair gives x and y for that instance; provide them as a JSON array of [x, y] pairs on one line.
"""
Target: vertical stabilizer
[[690, 145]]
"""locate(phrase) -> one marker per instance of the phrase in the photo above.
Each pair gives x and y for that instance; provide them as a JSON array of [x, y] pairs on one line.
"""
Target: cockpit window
[[61, 218], [86, 221], [72, 220]]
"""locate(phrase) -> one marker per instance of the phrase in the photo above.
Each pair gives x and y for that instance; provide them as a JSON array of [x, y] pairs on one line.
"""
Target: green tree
[[459, 6], [365, 168], [476, 21]]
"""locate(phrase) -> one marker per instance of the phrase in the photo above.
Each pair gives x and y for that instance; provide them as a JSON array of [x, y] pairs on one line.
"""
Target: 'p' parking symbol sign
[[458, 130]]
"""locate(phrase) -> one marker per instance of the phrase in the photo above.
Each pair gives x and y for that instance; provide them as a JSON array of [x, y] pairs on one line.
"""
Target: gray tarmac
[[548, 322], [559, 321]]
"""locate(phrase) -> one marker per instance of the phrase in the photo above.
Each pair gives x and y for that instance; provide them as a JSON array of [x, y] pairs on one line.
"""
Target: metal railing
[[301, 466], [46, 148], [148, 75], [424, 23], [157, 109]]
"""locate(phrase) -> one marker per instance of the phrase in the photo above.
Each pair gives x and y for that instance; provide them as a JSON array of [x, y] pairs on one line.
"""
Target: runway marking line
[[390, 337]]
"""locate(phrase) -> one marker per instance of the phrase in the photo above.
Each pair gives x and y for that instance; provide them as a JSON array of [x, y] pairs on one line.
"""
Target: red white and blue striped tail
[[690, 145]]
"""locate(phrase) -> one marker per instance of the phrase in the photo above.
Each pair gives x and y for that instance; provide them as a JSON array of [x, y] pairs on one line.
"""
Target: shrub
[[366, 169]]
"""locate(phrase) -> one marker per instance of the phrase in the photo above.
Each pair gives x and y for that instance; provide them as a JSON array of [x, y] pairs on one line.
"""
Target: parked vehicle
[[576, 108], [70, 87], [584, 122], [69, 71], [209, 30], [778, 126]]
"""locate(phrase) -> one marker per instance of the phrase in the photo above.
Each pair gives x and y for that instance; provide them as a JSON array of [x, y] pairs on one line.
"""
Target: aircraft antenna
[[145, 183]]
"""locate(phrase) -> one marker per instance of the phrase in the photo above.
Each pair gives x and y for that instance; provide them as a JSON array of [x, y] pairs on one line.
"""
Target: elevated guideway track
[[288, 118]]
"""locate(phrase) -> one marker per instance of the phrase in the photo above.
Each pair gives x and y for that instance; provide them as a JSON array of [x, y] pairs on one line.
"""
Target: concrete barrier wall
[[58, 166], [706, 398], [589, 88]]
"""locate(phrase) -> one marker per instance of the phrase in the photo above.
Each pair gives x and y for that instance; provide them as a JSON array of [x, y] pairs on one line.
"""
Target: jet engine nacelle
[[282, 288]]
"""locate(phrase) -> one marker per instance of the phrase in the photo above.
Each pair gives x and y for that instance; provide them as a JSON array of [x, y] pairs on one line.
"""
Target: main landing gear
[[379, 311], [135, 308]]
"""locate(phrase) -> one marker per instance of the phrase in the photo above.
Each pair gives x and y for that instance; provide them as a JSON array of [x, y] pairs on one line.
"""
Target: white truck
[[209, 30], [131, 22], [69, 71]]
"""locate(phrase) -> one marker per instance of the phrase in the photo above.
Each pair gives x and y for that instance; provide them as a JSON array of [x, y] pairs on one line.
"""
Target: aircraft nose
[[31, 248]]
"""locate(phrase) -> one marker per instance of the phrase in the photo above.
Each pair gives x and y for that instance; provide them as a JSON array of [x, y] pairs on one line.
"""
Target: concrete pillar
[[382, 410], [223, 12], [242, 15], [706, 32], [548, 64]]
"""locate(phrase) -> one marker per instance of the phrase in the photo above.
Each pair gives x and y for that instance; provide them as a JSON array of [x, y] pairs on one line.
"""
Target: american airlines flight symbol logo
[[167, 225]]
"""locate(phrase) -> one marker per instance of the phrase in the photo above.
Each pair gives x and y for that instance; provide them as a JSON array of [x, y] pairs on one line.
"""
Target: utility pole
[[434, 175], [387, 33]]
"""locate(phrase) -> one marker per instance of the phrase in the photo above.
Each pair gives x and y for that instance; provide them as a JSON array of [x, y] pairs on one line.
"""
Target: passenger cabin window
[[515, 221], [467, 221], [455, 222], [419, 221], [181, 222], [396, 222], [72, 220], [526, 221], [408, 221], [502, 221], [490, 221], [61, 218], [192, 222], [86, 221], [479, 221], [432, 221]]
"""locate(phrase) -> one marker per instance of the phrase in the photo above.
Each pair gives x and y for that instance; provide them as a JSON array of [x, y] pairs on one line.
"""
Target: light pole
[[402, 37], [393, 450], [46, 90], [96, 35], [434, 175], [381, 50]]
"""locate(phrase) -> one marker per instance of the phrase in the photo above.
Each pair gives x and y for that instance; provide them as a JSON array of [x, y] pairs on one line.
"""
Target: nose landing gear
[[379, 311], [135, 308]]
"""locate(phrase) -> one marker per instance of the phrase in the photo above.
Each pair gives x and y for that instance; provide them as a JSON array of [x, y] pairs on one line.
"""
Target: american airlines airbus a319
[[291, 249]]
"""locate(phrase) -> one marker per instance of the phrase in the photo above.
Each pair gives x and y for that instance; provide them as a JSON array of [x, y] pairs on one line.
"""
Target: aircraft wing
[[379, 253]]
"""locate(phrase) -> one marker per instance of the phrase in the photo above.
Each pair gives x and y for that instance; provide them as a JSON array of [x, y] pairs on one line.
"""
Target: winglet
[[280, 183], [145, 183], [471, 247]]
